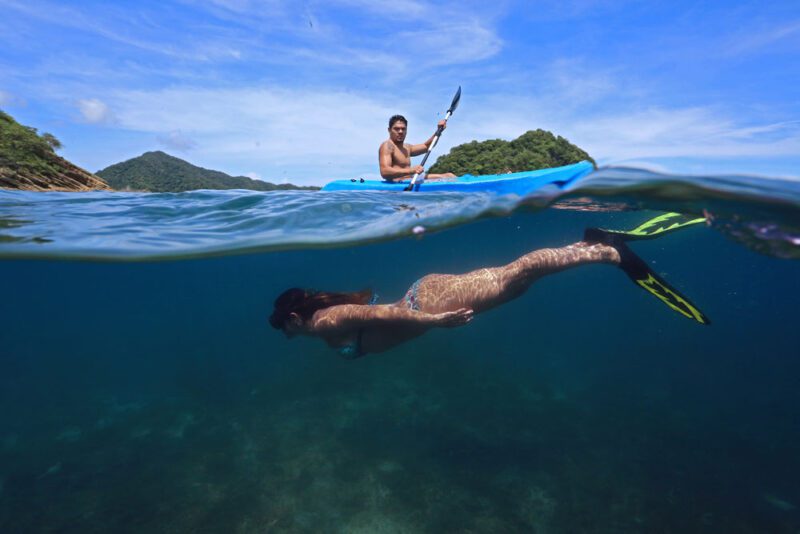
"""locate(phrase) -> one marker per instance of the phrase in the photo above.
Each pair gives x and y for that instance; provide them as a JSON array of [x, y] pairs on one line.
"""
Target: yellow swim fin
[[658, 226], [644, 277]]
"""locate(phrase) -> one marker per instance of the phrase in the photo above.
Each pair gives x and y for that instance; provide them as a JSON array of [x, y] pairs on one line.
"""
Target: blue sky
[[301, 91]]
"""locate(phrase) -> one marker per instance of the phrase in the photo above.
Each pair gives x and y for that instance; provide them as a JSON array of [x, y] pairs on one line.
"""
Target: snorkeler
[[355, 325]]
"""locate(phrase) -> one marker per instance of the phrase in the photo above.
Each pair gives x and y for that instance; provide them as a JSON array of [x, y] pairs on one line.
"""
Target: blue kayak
[[517, 183]]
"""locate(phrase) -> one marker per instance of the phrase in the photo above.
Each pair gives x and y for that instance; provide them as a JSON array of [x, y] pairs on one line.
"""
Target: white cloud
[[406, 8], [177, 141], [10, 99], [681, 132], [238, 6], [558, 10], [282, 33], [447, 33], [295, 121], [756, 38], [95, 111], [575, 83], [450, 43], [253, 176]]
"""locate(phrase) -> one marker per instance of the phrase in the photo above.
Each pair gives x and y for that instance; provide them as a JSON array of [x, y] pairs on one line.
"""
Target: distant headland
[[158, 172]]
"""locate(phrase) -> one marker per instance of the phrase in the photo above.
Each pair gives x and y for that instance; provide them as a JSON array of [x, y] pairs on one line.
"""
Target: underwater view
[[143, 389]]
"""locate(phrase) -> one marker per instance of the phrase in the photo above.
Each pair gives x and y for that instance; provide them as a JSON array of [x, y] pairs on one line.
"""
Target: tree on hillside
[[51, 140], [535, 149]]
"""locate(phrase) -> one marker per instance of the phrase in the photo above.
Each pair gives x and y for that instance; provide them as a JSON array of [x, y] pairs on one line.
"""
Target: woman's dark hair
[[304, 302], [395, 118]]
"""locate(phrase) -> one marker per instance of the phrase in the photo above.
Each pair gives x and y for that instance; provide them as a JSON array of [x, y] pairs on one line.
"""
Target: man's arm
[[352, 316], [393, 172], [418, 150]]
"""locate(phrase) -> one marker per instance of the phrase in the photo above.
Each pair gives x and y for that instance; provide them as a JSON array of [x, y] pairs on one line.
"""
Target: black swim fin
[[658, 226], [638, 271]]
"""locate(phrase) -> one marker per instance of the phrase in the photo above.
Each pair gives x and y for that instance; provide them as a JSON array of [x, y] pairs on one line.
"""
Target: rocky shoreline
[[69, 177]]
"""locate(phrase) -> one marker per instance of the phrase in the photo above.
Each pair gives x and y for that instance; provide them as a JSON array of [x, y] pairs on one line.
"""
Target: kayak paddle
[[453, 106]]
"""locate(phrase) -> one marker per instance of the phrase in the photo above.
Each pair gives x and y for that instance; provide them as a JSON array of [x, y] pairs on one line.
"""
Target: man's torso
[[401, 157]]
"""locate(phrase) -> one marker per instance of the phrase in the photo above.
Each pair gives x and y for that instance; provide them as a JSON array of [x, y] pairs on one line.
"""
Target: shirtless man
[[394, 156]]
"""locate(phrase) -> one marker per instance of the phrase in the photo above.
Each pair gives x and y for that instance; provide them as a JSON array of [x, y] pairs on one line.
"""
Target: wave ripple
[[762, 213]]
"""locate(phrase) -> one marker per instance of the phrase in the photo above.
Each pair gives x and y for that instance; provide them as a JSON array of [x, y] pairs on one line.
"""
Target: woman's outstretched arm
[[349, 316]]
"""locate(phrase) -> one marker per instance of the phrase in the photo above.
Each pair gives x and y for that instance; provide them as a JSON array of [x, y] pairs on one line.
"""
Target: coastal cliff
[[28, 161]]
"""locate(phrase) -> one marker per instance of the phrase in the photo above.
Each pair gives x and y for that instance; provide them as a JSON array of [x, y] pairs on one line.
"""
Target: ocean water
[[142, 390]]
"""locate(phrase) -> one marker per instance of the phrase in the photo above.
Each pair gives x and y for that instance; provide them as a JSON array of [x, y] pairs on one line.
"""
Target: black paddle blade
[[456, 98]]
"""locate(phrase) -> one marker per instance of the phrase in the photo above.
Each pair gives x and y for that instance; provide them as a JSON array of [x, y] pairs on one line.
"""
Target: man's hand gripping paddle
[[413, 186]]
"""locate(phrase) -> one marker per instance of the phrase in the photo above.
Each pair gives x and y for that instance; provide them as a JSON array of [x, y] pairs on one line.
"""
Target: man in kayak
[[394, 155]]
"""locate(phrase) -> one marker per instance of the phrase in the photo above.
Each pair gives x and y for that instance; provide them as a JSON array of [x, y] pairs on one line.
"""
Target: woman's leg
[[483, 289]]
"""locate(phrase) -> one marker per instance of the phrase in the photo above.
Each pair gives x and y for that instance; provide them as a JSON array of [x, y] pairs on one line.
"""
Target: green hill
[[159, 172], [28, 161], [535, 149]]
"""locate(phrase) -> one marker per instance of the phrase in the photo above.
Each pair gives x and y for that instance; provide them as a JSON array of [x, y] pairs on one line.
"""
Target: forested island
[[535, 149]]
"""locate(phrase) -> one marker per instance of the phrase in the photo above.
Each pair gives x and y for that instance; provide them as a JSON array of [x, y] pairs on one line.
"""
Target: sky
[[301, 91]]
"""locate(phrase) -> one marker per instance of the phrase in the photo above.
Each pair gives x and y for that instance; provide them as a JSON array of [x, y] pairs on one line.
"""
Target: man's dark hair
[[396, 118]]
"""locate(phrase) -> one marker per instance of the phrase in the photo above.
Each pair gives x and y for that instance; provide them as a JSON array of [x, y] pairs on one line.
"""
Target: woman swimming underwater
[[356, 326]]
